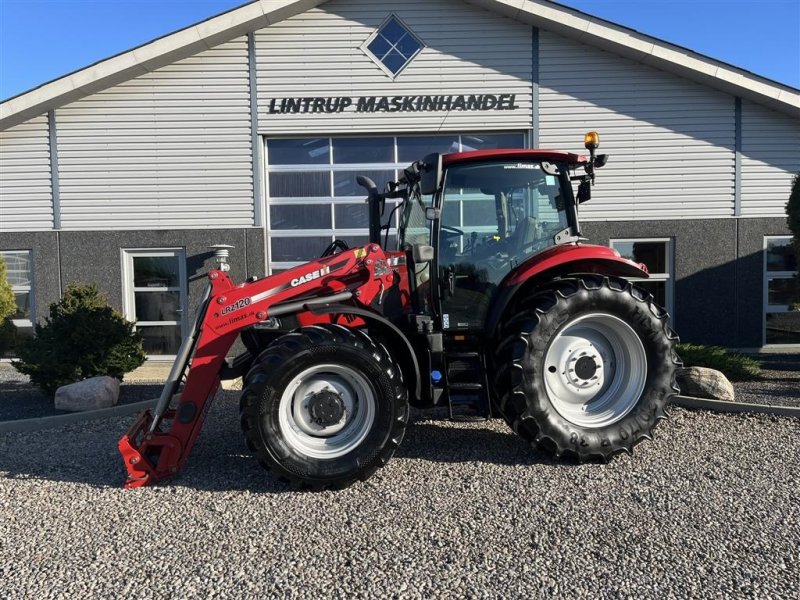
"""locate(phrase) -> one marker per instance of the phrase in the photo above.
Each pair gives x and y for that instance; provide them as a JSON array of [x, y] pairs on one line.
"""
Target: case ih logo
[[310, 276], [238, 305]]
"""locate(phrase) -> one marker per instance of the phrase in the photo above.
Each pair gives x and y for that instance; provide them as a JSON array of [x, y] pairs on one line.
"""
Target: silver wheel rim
[[307, 437], [601, 395]]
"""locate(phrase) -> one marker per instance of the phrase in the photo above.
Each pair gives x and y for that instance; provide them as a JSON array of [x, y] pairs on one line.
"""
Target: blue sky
[[41, 40]]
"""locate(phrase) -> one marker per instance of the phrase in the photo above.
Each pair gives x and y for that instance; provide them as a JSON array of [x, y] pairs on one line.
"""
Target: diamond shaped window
[[393, 46]]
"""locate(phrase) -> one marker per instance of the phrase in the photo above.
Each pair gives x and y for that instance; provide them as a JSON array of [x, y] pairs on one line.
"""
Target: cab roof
[[513, 154]]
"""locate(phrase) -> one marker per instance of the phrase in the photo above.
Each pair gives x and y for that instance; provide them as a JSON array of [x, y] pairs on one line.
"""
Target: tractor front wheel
[[324, 407], [589, 367]]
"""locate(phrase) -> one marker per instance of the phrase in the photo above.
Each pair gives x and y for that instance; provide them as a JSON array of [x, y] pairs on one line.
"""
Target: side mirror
[[431, 174], [584, 191]]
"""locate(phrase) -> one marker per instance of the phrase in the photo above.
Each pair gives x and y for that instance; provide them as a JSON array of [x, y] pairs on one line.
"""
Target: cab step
[[467, 391]]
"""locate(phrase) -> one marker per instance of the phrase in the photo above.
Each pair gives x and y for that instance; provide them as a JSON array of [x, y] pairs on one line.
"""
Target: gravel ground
[[709, 509], [779, 384]]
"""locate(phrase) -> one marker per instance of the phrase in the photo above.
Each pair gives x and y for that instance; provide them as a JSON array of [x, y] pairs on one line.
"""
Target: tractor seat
[[524, 235]]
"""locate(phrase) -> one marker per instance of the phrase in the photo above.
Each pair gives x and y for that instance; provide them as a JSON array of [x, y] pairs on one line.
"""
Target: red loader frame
[[159, 442]]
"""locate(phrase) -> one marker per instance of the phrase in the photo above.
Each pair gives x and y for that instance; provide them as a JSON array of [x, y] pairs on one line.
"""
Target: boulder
[[701, 382], [89, 394]]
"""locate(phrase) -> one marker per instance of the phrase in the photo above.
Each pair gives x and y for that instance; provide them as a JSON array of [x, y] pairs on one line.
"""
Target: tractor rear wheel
[[323, 407], [587, 367]]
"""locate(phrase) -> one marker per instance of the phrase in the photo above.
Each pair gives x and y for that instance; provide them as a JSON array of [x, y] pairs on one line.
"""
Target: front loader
[[492, 305]]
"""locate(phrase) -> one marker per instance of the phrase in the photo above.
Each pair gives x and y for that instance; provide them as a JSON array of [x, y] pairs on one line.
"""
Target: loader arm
[[160, 441]]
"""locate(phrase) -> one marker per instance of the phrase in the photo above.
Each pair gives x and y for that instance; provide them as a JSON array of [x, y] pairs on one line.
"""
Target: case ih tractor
[[517, 318]]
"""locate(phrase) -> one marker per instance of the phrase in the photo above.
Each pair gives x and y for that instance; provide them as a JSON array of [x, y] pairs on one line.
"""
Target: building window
[[393, 46], [781, 290], [19, 269], [155, 297], [313, 197], [656, 254]]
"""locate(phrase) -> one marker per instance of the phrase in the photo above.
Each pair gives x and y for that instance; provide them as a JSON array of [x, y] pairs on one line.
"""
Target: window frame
[[365, 46], [332, 168], [29, 289], [667, 277], [766, 307], [129, 289]]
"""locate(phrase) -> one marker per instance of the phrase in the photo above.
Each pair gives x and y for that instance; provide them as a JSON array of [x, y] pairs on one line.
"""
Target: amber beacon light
[[591, 140]]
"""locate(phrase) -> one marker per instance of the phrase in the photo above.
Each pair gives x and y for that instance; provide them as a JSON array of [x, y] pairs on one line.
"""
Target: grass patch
[[735, 366]]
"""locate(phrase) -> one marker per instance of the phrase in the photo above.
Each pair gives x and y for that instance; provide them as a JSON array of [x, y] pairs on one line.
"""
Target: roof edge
[[148, 57], [649, 50]]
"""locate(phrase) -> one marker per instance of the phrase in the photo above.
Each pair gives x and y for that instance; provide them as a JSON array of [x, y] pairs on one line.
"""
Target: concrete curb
[[25, 425], [736, 407]]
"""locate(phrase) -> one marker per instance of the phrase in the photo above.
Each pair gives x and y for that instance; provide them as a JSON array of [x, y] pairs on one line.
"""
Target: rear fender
[[558, 262]]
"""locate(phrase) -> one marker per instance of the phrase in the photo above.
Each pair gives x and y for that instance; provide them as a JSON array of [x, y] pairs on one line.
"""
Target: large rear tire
[[586, 367], [323, 407]]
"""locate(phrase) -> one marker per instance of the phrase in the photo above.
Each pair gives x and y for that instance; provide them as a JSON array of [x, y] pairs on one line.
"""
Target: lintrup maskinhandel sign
[[391, 104]]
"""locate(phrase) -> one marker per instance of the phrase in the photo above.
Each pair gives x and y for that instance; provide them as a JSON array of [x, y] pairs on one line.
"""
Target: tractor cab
[[485, 215]]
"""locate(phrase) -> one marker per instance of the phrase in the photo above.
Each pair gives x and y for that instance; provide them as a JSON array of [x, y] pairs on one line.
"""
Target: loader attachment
[[159, 442]]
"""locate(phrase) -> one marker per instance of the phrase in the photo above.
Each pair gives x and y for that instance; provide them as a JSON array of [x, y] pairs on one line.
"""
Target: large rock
[[701, 382], [89, 394]]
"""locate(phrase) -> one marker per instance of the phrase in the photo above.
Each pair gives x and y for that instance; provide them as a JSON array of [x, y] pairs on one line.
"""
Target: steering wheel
[[451, 230]]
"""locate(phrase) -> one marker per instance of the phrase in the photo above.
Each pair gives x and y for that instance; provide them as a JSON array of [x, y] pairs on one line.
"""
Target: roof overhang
[[262, 13], [646, 49], [148, 57]]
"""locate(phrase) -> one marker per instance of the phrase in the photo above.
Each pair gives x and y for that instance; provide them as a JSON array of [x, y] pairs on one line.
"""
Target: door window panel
[[363, 150], [414, 148], [311, 151], [781, 291], [160, 340], [780, 255], [492, 141], [309, 216], [300, 184], [155, 297], [345, 185], [19, 271], [155, 271], [157, 306], [657, 257], [298, 249]]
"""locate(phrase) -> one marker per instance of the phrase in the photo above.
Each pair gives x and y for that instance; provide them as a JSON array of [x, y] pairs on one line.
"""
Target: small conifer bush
[[8, 306], [82, 337]]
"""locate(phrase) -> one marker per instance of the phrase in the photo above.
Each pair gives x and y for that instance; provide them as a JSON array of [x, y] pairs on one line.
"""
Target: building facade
[[248, 129]]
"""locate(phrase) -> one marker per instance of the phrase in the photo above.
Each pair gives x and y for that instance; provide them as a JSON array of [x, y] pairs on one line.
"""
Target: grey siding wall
[[770, 158], [469, 51], [168, 149], [26, 199], [671, 141]]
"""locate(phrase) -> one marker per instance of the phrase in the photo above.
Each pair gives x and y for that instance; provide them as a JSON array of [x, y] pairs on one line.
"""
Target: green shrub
[[83, 337], [8, 306], [736, 367]]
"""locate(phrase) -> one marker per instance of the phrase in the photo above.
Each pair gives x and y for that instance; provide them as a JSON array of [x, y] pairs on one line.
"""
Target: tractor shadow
[[86, 453]]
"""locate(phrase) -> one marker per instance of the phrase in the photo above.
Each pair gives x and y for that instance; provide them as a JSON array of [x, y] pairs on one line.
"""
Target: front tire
[[324, 407], [589, 366]]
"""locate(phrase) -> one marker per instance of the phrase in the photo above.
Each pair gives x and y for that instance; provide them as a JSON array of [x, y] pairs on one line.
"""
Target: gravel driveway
[[710, 509]]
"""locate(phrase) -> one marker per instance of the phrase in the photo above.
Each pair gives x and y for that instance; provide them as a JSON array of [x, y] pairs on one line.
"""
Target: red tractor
[[491, 305]]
